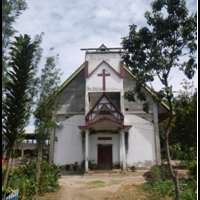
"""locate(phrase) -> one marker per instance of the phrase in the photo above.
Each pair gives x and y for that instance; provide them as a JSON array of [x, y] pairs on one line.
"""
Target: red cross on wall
[[104, 78]]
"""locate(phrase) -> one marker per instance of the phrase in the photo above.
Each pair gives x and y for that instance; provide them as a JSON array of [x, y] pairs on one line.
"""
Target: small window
[[34, 141]]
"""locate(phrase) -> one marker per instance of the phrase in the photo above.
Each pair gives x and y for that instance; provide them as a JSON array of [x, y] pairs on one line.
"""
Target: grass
[[97, 182]]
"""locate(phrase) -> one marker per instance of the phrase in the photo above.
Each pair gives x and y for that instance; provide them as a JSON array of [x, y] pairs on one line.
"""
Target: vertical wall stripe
[[121, 69], [86, 69]]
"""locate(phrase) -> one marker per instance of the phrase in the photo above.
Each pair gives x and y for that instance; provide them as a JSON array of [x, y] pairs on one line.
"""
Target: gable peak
[[102, 48]]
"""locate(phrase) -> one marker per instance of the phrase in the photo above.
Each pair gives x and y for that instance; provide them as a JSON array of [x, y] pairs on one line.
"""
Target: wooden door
[[104, 156]]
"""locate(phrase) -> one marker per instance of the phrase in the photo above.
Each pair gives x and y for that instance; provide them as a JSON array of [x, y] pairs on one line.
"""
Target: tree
[[154, 51], [47, 105], [16, 107], [184, 130], [11, 10]]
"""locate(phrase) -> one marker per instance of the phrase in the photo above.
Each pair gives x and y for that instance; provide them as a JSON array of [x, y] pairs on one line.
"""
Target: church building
[[96, 124]]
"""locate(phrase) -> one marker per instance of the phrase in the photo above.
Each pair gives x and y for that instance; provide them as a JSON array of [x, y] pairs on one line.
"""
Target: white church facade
[[96, 123]]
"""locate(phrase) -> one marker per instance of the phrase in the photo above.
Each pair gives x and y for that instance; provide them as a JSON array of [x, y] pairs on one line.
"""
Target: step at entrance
[[105, 172]]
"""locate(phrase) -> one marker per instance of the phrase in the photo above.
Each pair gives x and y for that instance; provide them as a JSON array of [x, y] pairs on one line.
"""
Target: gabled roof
[[125, 67], [71, 77], [104, 102], [150, 91], [103, 61], [103, 47]]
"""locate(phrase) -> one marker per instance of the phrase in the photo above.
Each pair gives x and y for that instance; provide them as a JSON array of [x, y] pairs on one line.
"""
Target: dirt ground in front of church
[[97, 186], [100, 187]]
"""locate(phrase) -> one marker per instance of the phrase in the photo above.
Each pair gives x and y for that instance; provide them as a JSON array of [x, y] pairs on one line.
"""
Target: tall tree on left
[[16, 106], [11, 10]]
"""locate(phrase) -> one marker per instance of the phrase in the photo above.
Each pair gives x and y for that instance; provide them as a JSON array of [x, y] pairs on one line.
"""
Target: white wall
[[141, 142], [68, 149], [95, 59], [113, 82]]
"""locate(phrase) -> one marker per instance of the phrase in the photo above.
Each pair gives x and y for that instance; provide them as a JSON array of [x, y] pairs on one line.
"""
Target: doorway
[[104, 156]]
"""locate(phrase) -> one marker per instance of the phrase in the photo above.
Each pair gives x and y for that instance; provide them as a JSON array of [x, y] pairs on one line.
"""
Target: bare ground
[[100, 187]]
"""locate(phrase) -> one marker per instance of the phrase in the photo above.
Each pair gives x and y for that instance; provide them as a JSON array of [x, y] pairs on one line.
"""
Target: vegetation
[[184, 131], [154, 51], [11, 10], [97, 182], [23, 177], [160, 185], [19, 86], [16, 106], [47, 105], [91, 164]]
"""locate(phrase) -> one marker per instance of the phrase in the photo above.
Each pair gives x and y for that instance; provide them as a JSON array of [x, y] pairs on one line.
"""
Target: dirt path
[[98, 187], [101, 187]]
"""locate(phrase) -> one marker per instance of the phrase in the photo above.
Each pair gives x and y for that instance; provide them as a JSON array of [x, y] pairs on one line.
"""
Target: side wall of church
[[141, 142], [69, 146], [72, 97], [141, 137]]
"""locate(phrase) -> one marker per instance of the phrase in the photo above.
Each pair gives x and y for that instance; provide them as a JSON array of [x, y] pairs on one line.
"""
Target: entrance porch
[[104, 144]]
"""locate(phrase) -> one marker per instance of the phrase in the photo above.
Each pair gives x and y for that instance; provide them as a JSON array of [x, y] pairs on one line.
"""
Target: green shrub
[[117, 166], [133, 168], [188, 189], [158, 172], [160, 189], [50, 173], [23, 177], [160, 185], [67, 167], [91, 164], [192, 167]]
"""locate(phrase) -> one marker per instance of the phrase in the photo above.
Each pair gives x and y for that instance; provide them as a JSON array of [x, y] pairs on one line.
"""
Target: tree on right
[[153, 51]]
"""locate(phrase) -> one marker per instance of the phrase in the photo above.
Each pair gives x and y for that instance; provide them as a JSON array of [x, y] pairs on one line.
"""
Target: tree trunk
[[38, 165], [5, 180], [167, 129], [174, 176]]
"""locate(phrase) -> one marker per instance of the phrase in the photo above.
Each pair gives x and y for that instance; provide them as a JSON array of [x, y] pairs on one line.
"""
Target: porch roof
[[105, 124]]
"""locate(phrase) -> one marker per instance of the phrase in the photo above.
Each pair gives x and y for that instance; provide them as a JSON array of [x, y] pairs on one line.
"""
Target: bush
[[23, 177], [159, 182], [160, 188], [133, 168], [117, 166], [192, 167], [50, 173], [156, 172], [91, 165], [188, 189], [160, 185], [67, 167]]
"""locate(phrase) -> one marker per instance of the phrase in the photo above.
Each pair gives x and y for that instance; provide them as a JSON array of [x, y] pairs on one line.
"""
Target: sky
[[70, 25]]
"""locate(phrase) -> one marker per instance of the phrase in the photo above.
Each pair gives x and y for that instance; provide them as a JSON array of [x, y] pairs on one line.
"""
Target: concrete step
[[103, 172]]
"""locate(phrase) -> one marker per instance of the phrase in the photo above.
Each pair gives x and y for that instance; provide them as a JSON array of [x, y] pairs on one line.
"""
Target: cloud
[[72, 25]]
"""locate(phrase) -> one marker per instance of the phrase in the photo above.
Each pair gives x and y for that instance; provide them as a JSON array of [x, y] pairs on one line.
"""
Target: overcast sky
[[70, 25]]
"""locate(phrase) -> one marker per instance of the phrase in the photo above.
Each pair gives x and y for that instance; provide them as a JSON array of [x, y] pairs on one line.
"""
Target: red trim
[[121, 69], [100, 65], [112, 113], [101, 119], [104, 138], [86, 69], [104, 94]]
